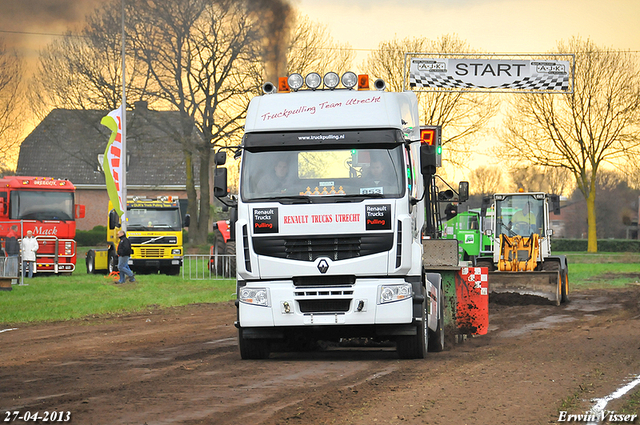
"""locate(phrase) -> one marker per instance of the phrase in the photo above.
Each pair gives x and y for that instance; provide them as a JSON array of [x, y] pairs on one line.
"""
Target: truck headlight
[[68, 248], [257, 296], [176, 252], [391, 293]]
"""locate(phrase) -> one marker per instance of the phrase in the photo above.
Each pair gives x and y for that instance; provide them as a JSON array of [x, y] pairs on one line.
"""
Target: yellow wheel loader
[[522, 262]]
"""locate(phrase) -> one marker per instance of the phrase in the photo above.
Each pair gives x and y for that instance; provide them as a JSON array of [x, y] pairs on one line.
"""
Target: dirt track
[[182, 366]]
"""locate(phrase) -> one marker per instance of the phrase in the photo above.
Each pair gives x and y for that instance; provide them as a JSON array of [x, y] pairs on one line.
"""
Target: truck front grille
[[309, 248], [324, 306], [150, 252]]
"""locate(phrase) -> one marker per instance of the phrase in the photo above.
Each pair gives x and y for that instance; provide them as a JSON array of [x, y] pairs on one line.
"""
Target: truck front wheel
[[112, 265], [253, 349], [415, 346], [91, 262]]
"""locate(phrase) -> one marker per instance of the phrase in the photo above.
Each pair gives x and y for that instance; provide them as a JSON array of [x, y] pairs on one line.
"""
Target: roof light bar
[[349, 79], [331, 80], [295, 81], [313, 80]]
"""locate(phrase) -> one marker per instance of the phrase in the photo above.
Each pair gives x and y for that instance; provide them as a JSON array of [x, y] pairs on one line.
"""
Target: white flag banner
[[113, 163], [490, 74]]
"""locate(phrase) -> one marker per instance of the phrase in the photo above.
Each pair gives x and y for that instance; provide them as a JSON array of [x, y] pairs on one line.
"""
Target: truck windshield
[[153, 219], [520, 215], [32, 205], [323, 173]]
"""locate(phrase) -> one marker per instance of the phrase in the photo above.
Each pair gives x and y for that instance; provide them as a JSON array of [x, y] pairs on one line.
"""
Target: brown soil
[[182, 366]]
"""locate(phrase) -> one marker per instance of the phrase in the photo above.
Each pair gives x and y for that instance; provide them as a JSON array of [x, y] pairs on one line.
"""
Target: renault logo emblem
[[323, 266]]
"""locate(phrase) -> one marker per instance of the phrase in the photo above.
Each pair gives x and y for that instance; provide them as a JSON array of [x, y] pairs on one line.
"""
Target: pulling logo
[[323, 266]]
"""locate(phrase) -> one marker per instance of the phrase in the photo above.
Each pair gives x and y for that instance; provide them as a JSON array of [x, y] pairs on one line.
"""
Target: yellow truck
[[154, 227]]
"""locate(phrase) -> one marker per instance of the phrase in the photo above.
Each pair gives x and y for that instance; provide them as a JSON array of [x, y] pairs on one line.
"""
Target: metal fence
[[201, 267]]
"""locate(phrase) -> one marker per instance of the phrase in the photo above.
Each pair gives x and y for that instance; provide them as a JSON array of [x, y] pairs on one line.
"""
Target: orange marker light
[[363, 82], [283, 85]]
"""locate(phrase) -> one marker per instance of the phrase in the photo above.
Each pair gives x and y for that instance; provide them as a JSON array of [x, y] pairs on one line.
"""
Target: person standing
[[124, 252], [29, 248], [12, 248]]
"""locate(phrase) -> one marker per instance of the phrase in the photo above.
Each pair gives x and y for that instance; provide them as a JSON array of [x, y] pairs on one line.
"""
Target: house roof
[[66, 145]]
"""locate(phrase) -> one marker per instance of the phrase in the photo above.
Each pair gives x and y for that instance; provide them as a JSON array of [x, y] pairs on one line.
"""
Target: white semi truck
[[330, 219]]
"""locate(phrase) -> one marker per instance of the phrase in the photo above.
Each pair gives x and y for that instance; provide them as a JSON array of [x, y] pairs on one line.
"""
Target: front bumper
[[312, 306]]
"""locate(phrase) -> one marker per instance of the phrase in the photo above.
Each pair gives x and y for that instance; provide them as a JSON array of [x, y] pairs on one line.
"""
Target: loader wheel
[[485, 262], [415, 346], [565, 286], [253, 349]]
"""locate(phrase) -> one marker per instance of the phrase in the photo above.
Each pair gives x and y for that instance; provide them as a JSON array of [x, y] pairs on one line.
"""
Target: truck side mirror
[[80, 211], [220, 182], [463, 191], [555, 204], [220, 158], [187, 221], [114, 220], [486, 203]]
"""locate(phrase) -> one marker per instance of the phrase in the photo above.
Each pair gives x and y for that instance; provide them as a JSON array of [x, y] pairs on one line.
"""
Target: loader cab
[[520, 214]]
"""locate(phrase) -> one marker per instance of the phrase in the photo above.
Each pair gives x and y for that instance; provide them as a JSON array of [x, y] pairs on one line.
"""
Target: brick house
[[69, 144]]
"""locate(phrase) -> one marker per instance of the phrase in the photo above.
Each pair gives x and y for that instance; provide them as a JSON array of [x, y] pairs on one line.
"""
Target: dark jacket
[[124, 247], [11, 244]]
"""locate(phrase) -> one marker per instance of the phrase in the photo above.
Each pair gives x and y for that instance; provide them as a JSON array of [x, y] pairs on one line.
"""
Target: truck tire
[[436, 338], [230, 251], [253, 349], [415, 346], [91, 262], [112, 264], [217, 263]]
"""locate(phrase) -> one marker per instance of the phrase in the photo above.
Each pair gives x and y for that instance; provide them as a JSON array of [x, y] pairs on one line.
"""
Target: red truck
[[47, 207]]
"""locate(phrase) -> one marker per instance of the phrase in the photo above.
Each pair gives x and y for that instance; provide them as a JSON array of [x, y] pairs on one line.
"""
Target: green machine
[[466, 227]]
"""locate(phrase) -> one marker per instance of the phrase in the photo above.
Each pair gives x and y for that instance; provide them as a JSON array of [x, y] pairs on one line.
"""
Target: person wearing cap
[[124, 252], [29, 248]]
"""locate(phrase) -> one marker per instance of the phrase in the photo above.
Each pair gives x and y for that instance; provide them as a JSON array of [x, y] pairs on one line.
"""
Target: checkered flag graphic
[[539, 82]]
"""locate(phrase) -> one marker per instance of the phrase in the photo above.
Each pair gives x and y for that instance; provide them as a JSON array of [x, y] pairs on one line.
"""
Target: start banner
[[506, 75]]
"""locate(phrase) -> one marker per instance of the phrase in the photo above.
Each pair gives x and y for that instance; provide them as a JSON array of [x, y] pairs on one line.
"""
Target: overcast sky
[[493, 26]]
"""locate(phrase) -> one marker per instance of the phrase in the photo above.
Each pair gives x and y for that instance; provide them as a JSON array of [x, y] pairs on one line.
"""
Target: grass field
[[57, 298], [54, 298]]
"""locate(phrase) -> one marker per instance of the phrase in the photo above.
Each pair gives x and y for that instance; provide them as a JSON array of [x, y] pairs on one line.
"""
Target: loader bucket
[[545, 284]]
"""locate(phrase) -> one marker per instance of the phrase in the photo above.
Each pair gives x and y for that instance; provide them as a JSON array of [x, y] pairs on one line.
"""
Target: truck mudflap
[[544, 284]]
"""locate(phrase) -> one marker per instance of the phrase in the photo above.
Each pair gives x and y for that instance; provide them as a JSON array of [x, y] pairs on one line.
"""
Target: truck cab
[[330, 216]]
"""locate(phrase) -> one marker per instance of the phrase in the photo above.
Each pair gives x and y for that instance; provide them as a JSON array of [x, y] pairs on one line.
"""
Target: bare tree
[[461, 115], [83, 71], [486, 180], [10, 104], [200, 55], [312, 49], [541, 179], [596, 124]]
